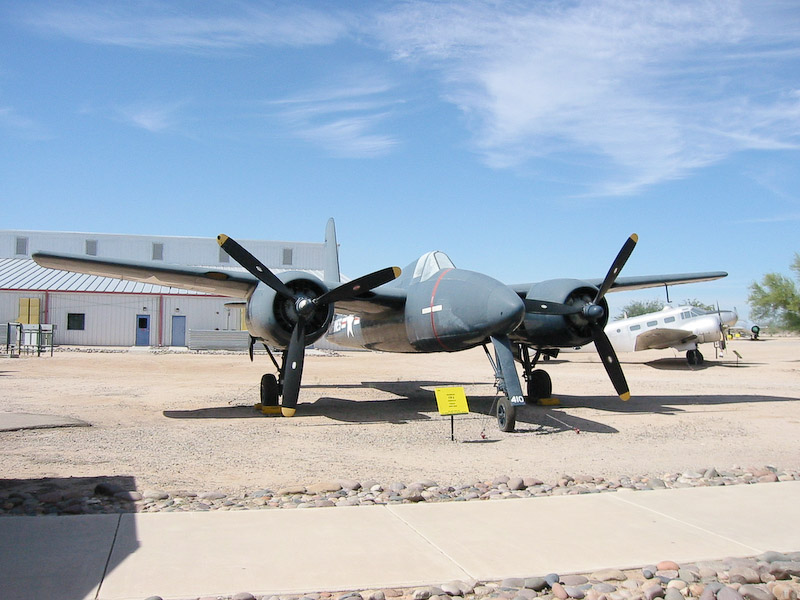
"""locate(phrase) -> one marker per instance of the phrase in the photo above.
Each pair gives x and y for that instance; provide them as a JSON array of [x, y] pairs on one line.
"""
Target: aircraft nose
[[729, 317], [506, 310]]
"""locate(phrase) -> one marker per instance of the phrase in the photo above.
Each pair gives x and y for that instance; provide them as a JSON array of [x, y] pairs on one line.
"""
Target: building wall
[[110, 319], [175, 250]]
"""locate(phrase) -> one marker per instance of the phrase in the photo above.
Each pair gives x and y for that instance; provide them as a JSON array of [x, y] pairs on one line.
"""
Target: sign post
[[452, 401]]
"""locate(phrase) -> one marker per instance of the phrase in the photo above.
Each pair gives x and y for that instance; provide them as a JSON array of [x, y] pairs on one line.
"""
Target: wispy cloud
[[192, 26], [20, 125], [155, 118], [639, 92], [651, 90], [342, 120]]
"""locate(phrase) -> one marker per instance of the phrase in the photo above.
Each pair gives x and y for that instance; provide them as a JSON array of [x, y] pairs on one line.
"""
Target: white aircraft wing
[[660, 338], [234, 284]]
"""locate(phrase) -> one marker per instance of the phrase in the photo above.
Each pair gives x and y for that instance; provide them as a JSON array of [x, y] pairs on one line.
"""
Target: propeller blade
[[359, 286], [610, 362], [293, 368], [542, 307], [254, 266], [250, 347], [616, 266]]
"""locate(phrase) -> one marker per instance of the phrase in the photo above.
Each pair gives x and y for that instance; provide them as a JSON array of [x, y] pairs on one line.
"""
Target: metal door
[[178, 330], [142, 330]]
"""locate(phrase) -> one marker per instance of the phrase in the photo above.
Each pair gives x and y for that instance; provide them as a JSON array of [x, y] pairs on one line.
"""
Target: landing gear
[[506, 414], [271, 389], [540, 386], [507, 382], [693, 357]]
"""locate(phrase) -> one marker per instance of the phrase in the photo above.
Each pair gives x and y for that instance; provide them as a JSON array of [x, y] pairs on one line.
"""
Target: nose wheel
[[506, 414]]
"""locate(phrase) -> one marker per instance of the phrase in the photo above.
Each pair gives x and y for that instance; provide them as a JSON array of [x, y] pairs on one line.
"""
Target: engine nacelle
[[271, 317], [561, 331]]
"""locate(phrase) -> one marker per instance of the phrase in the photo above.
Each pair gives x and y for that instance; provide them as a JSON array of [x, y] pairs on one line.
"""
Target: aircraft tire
[[539, 386], [269, 390], [506, 414]]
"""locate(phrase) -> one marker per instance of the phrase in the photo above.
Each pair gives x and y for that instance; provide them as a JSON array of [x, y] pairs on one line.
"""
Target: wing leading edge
[[225, 283], [641, 282]]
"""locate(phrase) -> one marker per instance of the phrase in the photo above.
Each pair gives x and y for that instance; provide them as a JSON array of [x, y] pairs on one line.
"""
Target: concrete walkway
[[188, 555]]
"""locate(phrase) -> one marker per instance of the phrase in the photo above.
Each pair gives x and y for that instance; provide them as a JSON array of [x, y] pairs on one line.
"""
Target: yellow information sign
[[451, 401]]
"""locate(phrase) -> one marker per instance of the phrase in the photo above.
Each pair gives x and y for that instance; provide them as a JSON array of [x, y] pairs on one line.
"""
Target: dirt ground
[[186, 421]]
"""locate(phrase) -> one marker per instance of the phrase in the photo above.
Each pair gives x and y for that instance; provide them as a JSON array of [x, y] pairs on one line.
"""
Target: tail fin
[[331, 253]]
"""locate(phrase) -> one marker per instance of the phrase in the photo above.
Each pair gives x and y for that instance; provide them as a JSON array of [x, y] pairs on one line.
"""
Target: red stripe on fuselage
[[433, 299]]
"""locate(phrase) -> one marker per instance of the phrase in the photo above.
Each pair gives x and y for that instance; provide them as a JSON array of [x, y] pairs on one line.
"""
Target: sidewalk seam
[[429, 541], [108, 558], [692, 525]]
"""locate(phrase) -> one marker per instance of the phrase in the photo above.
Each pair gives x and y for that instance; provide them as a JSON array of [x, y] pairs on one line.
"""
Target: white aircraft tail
[[331, 253]]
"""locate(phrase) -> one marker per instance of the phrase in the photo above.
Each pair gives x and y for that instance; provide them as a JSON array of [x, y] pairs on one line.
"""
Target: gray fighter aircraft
[[431, 307]]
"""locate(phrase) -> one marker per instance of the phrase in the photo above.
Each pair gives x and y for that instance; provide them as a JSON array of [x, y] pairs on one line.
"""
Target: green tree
[[639, 307], [776, 299]]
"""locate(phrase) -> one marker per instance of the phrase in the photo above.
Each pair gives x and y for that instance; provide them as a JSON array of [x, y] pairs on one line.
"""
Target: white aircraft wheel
[[506, 414]]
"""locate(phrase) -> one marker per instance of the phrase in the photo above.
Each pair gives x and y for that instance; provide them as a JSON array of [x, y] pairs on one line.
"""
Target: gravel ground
[[172, 431], [185, 421]]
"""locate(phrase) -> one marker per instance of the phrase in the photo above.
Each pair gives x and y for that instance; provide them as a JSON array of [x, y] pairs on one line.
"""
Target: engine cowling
[[271, 317], [561, 331]]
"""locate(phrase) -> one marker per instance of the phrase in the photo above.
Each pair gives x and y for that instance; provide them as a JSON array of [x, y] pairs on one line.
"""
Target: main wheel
[[692, 357], [269, 390], [539, 386], [506, 414]]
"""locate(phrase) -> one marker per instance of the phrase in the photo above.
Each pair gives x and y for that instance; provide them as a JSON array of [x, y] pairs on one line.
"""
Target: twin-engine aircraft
[[679, 327], [431, 307]]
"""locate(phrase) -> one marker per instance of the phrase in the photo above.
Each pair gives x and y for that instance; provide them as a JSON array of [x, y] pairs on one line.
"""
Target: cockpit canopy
[[431, 263]]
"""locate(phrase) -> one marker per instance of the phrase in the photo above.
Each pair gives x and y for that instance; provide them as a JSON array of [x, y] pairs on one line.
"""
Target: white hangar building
[[89, 310]]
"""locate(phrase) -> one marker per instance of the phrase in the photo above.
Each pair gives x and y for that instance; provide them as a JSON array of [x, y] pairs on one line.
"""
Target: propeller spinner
[[593, 312], [305, 307]]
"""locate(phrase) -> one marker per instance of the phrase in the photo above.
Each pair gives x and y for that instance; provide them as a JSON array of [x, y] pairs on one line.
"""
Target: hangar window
[[158, 251], [669, 320], [91, 247], [287, 256], [635, 327], [76, 321], [224, 257], [22, 246]]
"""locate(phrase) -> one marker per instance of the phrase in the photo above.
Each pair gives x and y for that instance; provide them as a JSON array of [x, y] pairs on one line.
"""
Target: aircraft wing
[[225, 283], [381, 299], [658, 339], [649, 281], [641, 282]]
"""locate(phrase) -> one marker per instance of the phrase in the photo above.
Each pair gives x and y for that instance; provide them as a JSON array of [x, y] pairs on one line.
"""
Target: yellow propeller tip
[[634, 237], [222, 238], [625, 397], [397, 271]]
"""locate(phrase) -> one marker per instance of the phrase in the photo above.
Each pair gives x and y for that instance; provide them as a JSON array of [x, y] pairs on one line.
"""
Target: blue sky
[[525, 139]]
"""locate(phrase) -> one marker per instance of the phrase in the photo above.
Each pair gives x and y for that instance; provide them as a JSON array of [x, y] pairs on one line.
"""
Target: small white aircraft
[[679, 327]]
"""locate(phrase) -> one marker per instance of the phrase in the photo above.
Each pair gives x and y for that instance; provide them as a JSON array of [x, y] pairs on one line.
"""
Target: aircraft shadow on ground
[[413, 402], [680, 364], [65, 538], [661, 405]]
